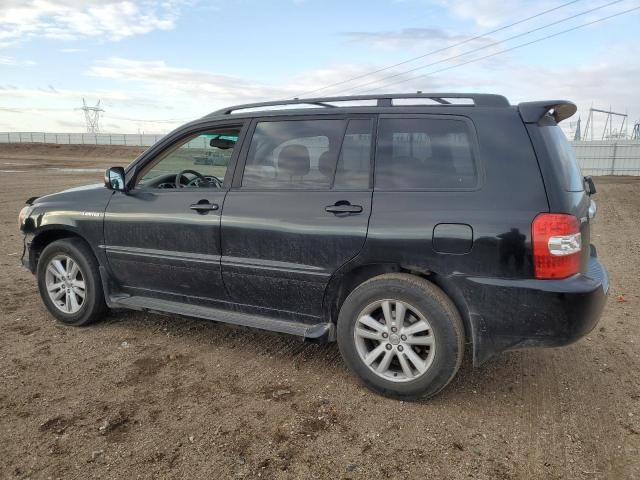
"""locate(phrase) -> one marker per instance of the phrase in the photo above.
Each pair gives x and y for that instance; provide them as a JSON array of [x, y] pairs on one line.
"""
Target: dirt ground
[[147, 396]]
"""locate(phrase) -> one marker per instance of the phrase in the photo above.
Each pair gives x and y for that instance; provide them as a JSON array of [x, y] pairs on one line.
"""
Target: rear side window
[[562, 153], [424, 153], [298, 154]]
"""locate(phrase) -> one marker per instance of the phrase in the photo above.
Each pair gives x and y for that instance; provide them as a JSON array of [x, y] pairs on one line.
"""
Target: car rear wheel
[[401, 335], [69, 282]]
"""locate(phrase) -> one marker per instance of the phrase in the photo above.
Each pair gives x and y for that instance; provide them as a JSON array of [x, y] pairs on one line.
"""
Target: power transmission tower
[[608, 132], [92, 116], [635, 134], [577, 135]]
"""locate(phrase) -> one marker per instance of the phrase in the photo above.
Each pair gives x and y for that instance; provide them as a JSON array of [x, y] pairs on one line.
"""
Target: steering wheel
[[197, 179], [181, 175], [196, 182]]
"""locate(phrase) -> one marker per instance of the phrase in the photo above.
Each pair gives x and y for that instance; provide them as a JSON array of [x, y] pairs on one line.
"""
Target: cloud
[[152, 95], [50, 93], [160, 76], [74, 19], [495, 13], [491, 13], [14, 62], [167, 82]]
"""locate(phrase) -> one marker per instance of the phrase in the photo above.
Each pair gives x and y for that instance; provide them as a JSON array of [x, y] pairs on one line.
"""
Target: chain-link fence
[[618, 157], [127, 139]]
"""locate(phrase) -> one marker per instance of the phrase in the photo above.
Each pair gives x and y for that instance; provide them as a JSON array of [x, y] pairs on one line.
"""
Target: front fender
[[77, 212]]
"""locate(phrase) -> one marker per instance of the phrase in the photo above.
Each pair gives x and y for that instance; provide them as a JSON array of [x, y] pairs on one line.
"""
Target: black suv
[[401, 226]]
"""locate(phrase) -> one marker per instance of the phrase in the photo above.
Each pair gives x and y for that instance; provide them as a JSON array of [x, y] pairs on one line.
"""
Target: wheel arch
[[47, 236], [346, 280]]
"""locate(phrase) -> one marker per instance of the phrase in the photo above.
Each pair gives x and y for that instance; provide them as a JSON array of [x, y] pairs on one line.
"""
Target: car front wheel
[[69, 282]]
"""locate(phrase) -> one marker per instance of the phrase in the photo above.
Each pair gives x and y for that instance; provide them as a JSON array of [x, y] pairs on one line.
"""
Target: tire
[[66, 253], [437, 350]]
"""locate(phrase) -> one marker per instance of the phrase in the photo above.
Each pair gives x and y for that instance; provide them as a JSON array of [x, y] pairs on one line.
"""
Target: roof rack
[[479, 99]]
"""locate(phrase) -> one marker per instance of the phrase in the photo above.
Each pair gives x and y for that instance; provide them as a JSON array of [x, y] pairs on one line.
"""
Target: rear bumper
[[507, 314]]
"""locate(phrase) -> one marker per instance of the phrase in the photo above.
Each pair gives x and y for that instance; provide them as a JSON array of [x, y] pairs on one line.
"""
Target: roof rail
[[479, 99]]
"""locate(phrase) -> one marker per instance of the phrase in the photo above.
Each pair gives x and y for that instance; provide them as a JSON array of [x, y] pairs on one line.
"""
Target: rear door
[[297, 211]]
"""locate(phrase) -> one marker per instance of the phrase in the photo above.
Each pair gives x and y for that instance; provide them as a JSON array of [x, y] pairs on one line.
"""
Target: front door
[[162, 238], [297, 211]]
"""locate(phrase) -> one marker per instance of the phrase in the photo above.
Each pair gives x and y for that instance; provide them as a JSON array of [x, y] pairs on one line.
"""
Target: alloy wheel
[[65, 284], [394, 340]]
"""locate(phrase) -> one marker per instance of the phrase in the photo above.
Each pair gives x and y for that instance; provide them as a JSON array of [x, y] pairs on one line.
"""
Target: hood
[[75, 192], [93, 186]]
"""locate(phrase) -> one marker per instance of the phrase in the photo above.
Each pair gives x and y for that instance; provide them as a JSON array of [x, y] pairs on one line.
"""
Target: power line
[[505, 50], [484, 47], [413, 59]]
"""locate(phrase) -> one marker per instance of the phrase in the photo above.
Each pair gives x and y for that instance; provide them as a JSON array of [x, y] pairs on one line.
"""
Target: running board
[[317, 333]]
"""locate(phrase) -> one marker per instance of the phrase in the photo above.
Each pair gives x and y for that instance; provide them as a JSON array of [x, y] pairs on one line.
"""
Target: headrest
[[326, 162], [294, 161]]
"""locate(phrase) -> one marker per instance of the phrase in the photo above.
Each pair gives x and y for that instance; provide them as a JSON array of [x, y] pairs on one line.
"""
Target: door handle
[[343, 208], [204, 206]]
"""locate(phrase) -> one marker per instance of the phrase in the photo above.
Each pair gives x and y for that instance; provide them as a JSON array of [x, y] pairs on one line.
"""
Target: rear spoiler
[[533, 112]]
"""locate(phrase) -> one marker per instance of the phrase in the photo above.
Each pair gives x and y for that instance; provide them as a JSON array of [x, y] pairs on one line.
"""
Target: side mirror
[[589, 186], [114, 179]]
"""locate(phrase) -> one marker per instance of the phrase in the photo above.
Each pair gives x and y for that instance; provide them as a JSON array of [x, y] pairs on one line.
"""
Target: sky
[[157, 64]]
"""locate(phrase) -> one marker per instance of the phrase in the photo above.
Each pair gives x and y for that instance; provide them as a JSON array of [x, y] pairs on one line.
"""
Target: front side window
[[294, 154], [420, 153], [200, 161]]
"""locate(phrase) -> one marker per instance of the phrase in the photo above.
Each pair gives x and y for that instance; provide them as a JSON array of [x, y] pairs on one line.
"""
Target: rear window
[[424, 153], [562, 152]]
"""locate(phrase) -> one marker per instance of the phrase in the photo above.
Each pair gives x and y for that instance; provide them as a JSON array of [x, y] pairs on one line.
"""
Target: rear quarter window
[[562, 153], [425, 153]]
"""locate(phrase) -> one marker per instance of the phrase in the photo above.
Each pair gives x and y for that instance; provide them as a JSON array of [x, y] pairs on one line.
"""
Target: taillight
[[556, 245]]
